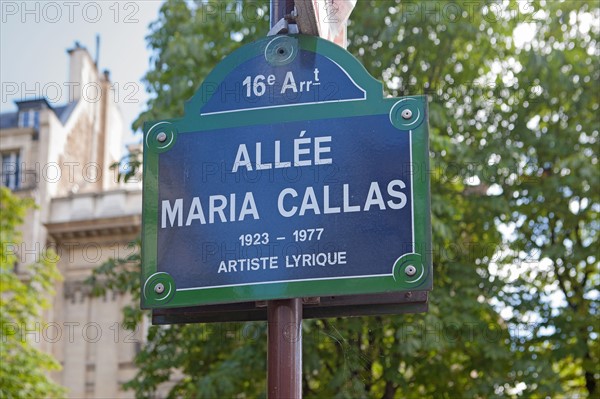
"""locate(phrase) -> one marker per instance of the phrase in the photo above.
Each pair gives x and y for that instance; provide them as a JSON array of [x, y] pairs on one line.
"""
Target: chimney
[[97, 51], [82, 71]]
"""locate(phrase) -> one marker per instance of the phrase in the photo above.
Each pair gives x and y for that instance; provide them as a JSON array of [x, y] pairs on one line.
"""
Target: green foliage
[[121, 275], [514, 140], [128, 167], [555, 202], [189, 40], [23, 368]]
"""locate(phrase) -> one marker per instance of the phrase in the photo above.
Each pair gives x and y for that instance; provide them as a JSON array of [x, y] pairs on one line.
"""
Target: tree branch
[[561, 282], [390, 390]]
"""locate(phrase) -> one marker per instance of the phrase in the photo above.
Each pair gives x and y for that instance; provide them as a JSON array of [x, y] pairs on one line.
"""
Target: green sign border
[[193, 122]]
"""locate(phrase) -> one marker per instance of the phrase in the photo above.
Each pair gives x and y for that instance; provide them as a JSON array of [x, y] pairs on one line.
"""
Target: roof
[[64, 111], [39, 102], [10, 119]]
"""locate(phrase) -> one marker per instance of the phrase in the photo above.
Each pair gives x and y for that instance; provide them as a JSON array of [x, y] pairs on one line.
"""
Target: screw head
[[161, 137], [406, 114], [159, 288], [410, 270]]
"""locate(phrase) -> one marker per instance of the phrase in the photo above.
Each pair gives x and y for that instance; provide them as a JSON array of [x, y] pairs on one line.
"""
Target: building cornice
[[18, 131], [128, 225]]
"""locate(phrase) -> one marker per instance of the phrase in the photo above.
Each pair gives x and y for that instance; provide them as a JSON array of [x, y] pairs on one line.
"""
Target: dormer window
[[29, 118]]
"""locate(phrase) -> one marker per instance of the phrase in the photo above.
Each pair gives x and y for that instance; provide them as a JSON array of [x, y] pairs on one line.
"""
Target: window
[[29, 118], [11, 169]]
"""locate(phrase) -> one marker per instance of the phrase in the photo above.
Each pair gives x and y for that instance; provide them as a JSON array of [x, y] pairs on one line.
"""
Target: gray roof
[[10, 119], [64, 111]]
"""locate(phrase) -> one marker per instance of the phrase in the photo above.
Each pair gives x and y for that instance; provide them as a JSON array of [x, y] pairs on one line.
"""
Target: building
[[60, 156]]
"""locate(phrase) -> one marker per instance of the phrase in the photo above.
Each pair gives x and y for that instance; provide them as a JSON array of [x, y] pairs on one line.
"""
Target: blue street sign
[[290, 175]]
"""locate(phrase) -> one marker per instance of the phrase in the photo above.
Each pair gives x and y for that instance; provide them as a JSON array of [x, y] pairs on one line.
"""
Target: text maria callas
[[307, 151]]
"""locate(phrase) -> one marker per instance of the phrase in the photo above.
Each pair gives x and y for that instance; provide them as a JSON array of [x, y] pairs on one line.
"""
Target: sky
[[34, 37]]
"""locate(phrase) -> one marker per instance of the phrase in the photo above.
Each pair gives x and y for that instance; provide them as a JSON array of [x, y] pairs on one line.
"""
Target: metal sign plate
[[289, 176]]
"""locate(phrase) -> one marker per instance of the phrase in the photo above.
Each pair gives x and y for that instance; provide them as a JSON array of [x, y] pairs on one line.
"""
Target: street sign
[[289, 176]]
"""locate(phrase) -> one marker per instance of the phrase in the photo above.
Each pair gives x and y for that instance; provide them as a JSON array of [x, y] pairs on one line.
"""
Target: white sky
[[34, 37]]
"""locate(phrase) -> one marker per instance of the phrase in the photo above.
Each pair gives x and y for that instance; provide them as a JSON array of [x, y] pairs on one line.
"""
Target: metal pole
[[284, 375], [284, 317]]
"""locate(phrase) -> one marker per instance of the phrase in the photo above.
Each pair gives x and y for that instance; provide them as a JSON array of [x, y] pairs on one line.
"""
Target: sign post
[[284, 352], [290, 176], [284, 317]]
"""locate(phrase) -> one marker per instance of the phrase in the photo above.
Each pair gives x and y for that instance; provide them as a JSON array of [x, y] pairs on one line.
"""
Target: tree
[[486, 176], [188, 41], [555, 201], [24, 368]]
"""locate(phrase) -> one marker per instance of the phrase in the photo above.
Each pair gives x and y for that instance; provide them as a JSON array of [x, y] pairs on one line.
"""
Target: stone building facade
[[60, 157]]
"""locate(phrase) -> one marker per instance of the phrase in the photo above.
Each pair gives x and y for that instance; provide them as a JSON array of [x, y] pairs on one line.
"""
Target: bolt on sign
[[290, 175]]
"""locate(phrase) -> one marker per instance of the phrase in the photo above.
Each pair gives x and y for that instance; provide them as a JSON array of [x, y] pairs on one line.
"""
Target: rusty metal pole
[[284, 375], [284, 317]]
